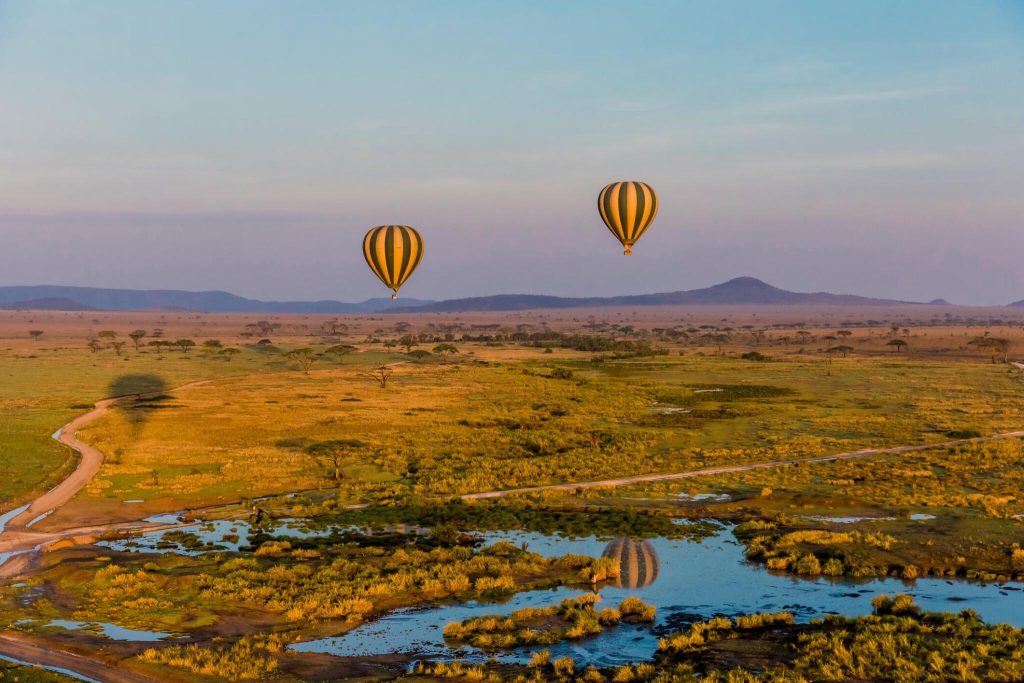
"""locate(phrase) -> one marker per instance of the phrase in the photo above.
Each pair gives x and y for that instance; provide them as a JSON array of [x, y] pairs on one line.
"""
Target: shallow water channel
[[692, 581], [685, 580]]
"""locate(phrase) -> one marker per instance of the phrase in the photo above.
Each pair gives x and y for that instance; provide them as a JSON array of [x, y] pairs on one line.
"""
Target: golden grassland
[[446, 428], [520, 405], [47, 380]]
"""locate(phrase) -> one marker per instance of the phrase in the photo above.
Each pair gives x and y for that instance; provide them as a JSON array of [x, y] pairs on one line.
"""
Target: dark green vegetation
[[570, 519], [16, 673]]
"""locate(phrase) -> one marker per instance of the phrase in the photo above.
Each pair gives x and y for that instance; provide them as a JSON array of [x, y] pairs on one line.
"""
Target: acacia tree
[[1001, 346], [118, 346], [408, 341], [184, 344], [339, 351], [334, 453], [993, 345], [137, 336], [843, 349], [381, 375], [333, 327], [229, 352], [897, 344], [445, 350], [263, 328], [35, 334], [419, 355], [305, 357], [160, 346]]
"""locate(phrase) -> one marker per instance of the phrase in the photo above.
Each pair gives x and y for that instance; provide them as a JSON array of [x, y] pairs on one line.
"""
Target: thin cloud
[[628, 106], [854, 162], [843, 98]]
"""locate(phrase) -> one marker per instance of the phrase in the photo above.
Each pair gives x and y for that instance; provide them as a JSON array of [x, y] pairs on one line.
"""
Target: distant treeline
[[576, 342]]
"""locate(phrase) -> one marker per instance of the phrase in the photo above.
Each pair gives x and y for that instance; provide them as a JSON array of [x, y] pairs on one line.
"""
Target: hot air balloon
[[638, 562], [393, 252], [627, 208]]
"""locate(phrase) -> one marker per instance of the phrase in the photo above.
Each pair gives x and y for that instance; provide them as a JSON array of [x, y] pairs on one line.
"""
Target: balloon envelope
[[628, 208], [393, 252]]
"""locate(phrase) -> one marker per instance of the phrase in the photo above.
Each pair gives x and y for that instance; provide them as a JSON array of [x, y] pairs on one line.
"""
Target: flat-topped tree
[[897, 344], [995, 346], [445, 350], [334, 453], [305, 357], [137, 336], [339, 351]]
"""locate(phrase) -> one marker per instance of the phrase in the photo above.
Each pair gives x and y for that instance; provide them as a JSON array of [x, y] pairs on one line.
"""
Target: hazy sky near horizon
[[869, 147]]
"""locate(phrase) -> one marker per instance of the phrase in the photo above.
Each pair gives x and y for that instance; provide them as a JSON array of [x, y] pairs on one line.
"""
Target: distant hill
[[57, 297], [53, 303], [1018, 303], [741, 290], [939, 302]]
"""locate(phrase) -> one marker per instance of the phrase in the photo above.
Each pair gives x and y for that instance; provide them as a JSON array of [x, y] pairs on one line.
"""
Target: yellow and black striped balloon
[[393, 252], [628, 208]]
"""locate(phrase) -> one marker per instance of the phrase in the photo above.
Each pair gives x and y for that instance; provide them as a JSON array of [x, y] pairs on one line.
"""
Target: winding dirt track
[[26, 650], [88, 466], [726, 469]]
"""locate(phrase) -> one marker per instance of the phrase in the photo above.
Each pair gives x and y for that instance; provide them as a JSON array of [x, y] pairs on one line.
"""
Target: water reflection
[[638, 562], [694, 581]]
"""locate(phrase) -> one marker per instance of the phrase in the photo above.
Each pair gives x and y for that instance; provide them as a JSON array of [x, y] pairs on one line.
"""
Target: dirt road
[[726, 469], [28, 651], [88, 466]]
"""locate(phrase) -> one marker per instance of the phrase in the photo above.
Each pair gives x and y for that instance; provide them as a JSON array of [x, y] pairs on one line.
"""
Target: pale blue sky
[[868, 147]]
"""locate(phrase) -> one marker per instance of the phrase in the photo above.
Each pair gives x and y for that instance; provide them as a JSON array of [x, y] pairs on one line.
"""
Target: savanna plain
[[659, 494]]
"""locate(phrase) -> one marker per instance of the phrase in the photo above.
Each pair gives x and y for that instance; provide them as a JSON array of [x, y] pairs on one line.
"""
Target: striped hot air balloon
[[628, 208], [393, 252], [637, 560]]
